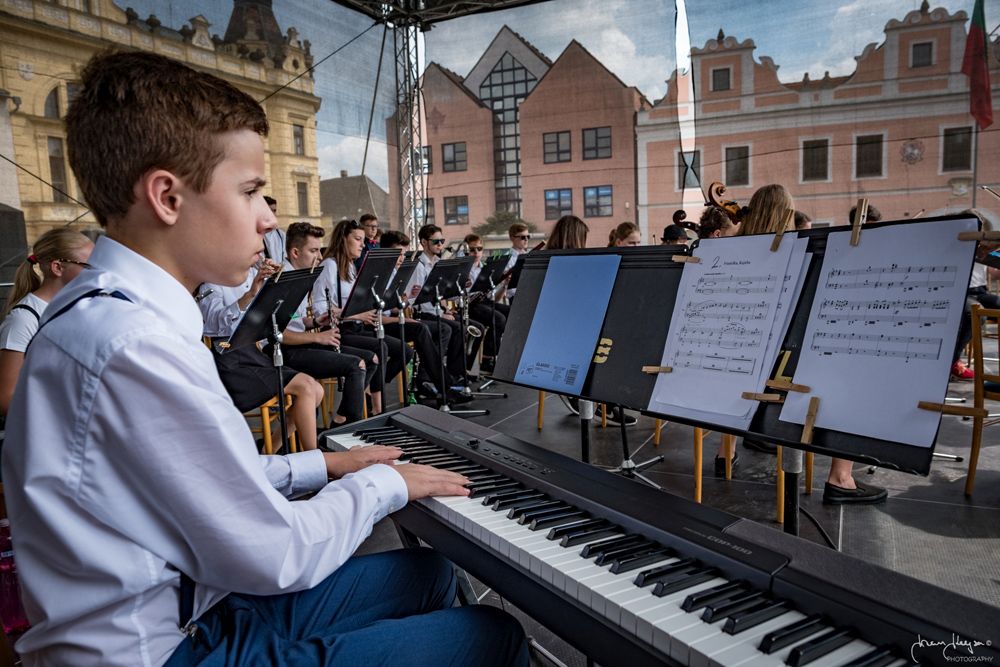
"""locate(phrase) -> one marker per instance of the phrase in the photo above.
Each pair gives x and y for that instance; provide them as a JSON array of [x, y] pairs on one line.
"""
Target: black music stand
[[443, 282], [486, 284], [266, 317], [366, 294], [393, 298]]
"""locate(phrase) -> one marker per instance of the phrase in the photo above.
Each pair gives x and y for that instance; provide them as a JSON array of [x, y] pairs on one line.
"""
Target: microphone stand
[[278, 359], [405, 398], [380, 335], [463, 304], [496, 350]]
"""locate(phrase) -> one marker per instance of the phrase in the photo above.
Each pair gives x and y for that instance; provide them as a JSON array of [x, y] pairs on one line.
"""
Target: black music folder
[[490, 274], [398, 283], [446, 276], [372, 279], [281, 296]]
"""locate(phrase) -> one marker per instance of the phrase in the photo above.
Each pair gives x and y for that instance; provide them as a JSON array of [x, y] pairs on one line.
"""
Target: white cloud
[[338, 152], [618, 53]]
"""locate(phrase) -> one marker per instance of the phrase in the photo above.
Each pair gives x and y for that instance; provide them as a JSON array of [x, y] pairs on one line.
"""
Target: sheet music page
[[726, 310], [882, 330]]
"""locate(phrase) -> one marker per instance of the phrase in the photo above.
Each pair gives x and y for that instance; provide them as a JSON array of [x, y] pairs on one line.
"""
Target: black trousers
[[321, 362], [364, 338], [491, 338], [451, 341], [419, 333]]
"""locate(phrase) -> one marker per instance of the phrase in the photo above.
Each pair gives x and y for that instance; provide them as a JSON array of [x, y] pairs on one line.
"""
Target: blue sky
[[633, 38]]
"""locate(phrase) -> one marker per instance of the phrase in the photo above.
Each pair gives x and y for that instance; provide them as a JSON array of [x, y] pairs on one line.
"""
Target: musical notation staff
[[885, 311], [894, 276], [698, 311], [728, 337], [738, 364], [877, 345], [713, 284]]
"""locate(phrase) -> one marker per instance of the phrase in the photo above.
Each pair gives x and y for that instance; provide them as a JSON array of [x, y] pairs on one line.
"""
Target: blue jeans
[[392, 608]]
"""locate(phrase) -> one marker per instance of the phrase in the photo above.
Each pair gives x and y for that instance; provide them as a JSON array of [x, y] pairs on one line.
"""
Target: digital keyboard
[[631, 576]]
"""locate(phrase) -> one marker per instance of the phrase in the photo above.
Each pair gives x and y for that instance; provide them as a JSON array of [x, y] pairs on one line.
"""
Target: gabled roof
[[455, 79], [573, 43], [496, 49]]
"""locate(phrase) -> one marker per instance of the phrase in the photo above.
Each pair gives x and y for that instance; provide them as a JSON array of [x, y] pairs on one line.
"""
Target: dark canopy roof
[[427, 12]]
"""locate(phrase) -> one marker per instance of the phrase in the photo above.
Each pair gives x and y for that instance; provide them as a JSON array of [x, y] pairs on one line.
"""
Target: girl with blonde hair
[[57, 258]]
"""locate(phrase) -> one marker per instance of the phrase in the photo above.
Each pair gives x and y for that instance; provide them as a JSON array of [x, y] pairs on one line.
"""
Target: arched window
[[52, 104]]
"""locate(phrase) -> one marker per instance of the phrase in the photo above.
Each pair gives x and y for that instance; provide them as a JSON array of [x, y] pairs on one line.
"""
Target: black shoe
[[865, 494], [616, 416], [487, 365], [720, 464], [760, 446], [456, 397], [572, 404]]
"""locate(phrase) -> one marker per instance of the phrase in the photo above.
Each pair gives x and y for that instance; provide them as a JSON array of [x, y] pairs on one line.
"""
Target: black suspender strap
[[24, 306], [186, 600]]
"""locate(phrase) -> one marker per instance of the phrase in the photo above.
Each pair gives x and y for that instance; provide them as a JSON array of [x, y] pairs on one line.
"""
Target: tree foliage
[[500, 222]]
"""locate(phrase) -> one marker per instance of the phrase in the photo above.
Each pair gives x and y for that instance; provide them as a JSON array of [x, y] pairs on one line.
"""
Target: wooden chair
[[268, 413], [986, 386]]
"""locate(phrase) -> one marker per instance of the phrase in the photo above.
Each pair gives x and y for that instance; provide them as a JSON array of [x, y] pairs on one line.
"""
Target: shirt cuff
[[389, 484], [307, 471]]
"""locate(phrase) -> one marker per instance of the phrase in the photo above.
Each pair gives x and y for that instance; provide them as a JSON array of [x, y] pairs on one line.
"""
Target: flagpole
[[975, 161]]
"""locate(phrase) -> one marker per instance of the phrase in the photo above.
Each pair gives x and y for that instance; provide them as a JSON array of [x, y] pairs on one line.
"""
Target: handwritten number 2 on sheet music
[[717, 262]]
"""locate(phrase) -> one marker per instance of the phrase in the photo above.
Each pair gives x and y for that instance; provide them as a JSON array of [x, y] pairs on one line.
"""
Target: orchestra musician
[[482, 310], [625, 234]]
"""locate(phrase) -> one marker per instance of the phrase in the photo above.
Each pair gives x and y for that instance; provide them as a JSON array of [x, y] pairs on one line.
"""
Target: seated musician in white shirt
[[136, 496]]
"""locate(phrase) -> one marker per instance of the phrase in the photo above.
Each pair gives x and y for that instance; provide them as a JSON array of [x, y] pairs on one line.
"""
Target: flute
[[329, 312]]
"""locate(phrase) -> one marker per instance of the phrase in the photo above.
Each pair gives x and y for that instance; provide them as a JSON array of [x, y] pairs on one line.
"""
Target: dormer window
[[721, 79], [921, 54]]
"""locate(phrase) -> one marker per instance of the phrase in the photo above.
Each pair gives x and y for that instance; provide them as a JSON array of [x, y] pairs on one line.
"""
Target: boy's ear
[[161, 191]]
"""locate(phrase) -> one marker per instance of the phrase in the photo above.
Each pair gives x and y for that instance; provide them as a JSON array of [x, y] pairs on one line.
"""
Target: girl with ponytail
[[56, 258]]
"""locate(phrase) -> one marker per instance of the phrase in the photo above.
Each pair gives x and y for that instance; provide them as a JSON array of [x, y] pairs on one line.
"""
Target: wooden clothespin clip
[[654, 370], [690, 259], [786, 221], [860, 218], [763, 398], [787, 385], [957, 410], [979, 236], [807, 428]]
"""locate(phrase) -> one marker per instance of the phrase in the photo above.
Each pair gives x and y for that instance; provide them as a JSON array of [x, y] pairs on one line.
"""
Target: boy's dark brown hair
[[299, 232], [140, 111]]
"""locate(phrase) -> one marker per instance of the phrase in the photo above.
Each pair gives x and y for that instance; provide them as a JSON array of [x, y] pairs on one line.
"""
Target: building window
[[596, 143], [956, 152], [557, 148], [558, 203], [72, 91], [428, 159], [721, 79], [688, 170], [922, 54], [738, 165], [597, 201], [302, 190], [428, 211], [51, 109], [453, 157], [456, 210], [816, 160], [57, 170], [299, 139], [868, 156]]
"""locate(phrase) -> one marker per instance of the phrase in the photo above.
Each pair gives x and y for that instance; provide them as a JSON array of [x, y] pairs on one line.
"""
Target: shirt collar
[[116, 267]]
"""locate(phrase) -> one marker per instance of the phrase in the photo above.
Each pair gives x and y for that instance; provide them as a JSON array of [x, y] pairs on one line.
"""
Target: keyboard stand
[[630, 468]]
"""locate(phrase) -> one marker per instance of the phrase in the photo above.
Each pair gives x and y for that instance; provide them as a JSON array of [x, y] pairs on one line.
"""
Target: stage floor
[[927, 528]]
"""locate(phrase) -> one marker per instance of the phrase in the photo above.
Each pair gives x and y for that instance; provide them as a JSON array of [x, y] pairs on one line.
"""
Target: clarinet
[[329, 313]]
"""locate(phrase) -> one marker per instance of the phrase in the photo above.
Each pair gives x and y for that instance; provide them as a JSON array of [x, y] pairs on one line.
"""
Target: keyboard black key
[[588, 525], [612, 554], [488, 480], [817, 648], [754, 616], [529, 498], [435, 459], [635, 561], [879, 657], [724, 608], [584, 536], [597, 548], [701, 599], [542, 503], [550, 520], [528, 516], [510, 493], [788, 635], [464, 467], [480, 491], [483, 476], [678, 583], [656, 574]]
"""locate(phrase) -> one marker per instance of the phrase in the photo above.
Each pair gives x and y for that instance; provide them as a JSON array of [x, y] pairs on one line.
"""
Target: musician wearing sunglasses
[[432, 244], [482, 309], [519, 239]]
